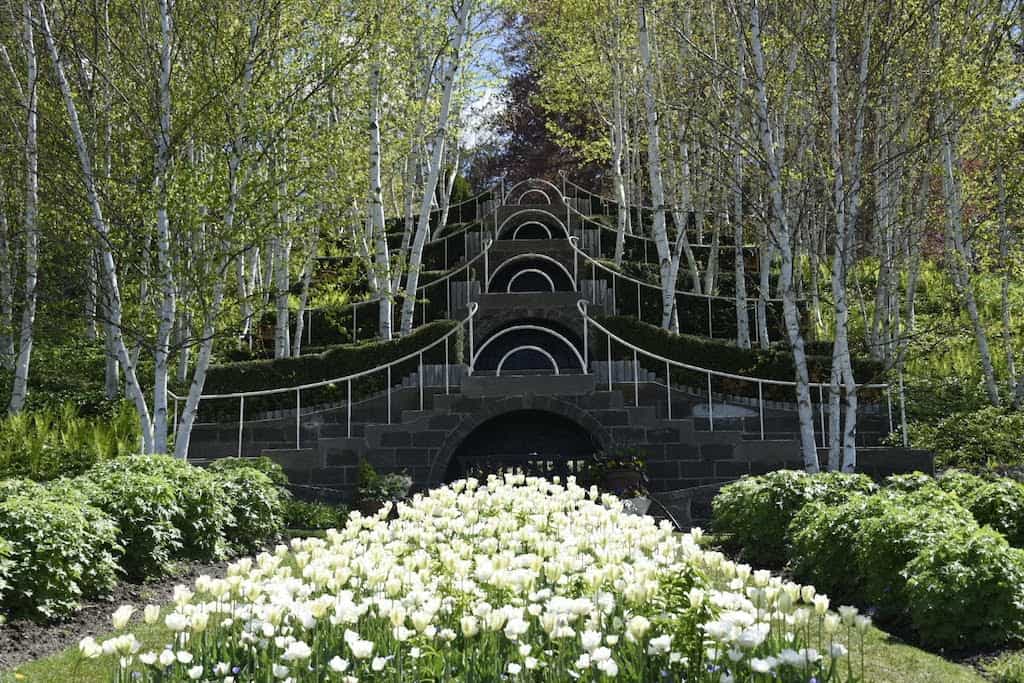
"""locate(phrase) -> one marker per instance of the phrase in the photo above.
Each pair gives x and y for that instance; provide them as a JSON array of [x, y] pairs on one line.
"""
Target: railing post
[[445, 241], [355, 323], [636, 379], [174, 425], [420, 374], [760, 406], [821, 412], [586, 345], [298, 419], [389, 394], [711, 332], [888, 404], [309, 326], [614, 304], [711, 406], [448, 299], [668, 388], [609, 337], [471, 351], [348, 410], [446, 370], [639, 313], [241, 422], [487, 271]]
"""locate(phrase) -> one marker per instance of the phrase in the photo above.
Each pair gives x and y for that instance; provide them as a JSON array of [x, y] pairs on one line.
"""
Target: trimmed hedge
[[979, 441], [775, 363], [338, 361]]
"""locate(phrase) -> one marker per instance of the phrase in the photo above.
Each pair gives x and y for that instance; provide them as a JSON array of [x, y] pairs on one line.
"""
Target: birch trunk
[[1006, 265], [6, 289], [618, 146], [100, 225], [742, 314], [658, 228], [446, 194], [960, 263], [162, 351], [375, 221], [19, 391], [434, 169], [306, 279], [790, 311]]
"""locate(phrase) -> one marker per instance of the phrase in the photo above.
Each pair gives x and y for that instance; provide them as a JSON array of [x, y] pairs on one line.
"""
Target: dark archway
[[533, 442]]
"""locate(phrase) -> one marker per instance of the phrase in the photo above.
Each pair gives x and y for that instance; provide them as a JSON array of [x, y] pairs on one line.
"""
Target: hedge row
[[130, 516], [337, 361], [940, 556], [774, 363]]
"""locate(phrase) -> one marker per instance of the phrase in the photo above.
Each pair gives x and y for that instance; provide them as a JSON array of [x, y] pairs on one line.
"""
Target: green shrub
[[18, 487], [980, 440], [261, 464], [822, 551], [1006, 668], [257, 507], [59, 552], [966, 590], [960, 483], [756, 511], [6, 564], [48, 443], [912, 481], [144, 506], [203, 507], [300, 514], [896, 527], [1000, 505]]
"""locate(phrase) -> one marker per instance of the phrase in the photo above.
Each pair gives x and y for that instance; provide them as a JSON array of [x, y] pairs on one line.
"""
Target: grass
[[885, 658]]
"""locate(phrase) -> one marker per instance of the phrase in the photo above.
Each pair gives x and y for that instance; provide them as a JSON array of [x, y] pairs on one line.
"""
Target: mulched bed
[[23, 640]]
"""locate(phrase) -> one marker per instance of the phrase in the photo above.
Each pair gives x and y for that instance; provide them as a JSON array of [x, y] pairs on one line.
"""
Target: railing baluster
[[446, 370], [355, 323], [639, 314], [348, 410], [711, 406], [636, 379], [609, 360], [711, 332], [389, 394], [241, 422], [668, 388], [821, 411], [298, 419], [760, 406], [421, 380]]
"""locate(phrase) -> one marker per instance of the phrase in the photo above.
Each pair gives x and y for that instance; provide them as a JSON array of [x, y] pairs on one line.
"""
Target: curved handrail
[[582, 306], [573, 242], [473, 306], [644, 238], [511, 192]]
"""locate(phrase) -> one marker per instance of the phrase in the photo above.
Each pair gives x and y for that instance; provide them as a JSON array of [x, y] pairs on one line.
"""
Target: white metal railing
[[297, 390], [421, 292], [669, 364], [641, 285]]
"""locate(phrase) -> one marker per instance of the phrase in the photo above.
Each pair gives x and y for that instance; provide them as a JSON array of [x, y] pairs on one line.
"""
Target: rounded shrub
[[895, 528], [960, 483], [204, 509], [144, 506], [756, 511], [18, 487], [262, 464], [301, 514], [821, 551], [911, 481], [966, 590], [59, 551], [257, 507], [1000, 504]]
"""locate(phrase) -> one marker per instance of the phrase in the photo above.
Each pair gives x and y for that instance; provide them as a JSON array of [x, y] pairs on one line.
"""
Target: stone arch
[[560, 277], [555, 225], [492, 408]]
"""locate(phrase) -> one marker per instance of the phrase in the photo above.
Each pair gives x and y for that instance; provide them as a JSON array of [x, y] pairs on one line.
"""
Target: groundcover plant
[[513, 579]]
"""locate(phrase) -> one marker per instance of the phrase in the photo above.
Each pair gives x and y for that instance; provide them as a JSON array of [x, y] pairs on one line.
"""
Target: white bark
[[375, 221], [306, 279], [19, 391], [434, 169], [782, 237], [100, 225], [618, 149], [740, 286], [6, 288], [161, 351], [658, 228], [449, 185]]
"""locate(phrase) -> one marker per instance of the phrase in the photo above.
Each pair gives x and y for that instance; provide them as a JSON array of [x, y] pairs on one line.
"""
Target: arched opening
[[542, 193], [531, 273], [528, 349], [532, 442], [532, 224], [532, 230]]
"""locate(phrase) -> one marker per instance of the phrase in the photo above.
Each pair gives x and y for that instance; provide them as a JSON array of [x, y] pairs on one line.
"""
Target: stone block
[[717, 451], [431, 439], [395, 439]]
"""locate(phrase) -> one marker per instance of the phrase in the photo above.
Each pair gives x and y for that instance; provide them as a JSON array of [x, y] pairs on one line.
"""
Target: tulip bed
[[511, 579]]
